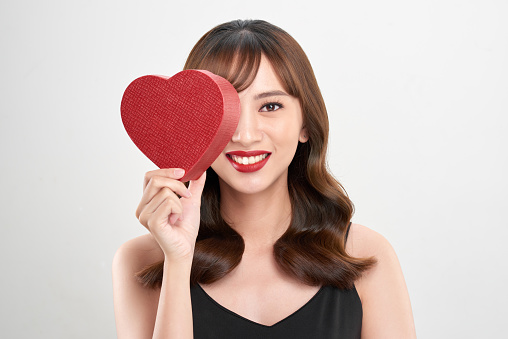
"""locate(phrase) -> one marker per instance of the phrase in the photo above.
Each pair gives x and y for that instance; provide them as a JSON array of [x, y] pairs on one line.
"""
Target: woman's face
[[259, 153]]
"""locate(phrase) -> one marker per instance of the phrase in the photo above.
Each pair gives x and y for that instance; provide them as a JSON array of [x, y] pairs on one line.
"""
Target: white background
[[417, 97]]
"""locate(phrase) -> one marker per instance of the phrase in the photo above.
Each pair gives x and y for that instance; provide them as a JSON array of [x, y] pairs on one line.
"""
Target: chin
[[245, 185]]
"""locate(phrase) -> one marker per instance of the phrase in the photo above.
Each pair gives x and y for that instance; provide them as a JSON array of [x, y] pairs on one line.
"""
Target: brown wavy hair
[[312, 249]]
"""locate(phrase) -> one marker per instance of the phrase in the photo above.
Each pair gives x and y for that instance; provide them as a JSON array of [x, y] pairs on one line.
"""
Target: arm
[[174, 314], [385, 300], [142, 312], [173, 222]]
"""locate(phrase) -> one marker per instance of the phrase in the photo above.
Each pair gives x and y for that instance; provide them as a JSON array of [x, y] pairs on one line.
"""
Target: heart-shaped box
[[183, 121]]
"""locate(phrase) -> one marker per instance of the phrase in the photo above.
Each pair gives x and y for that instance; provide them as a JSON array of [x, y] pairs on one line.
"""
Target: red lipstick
[[247, 167]]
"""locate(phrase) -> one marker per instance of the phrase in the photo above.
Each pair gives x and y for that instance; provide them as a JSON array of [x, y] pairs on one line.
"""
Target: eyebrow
[[269, 94]]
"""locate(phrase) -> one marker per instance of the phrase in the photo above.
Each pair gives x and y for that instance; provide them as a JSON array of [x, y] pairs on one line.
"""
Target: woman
[[264, 236]]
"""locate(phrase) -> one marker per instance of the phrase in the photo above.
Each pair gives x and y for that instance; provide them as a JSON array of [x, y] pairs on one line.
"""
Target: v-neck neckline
[[212, 300]]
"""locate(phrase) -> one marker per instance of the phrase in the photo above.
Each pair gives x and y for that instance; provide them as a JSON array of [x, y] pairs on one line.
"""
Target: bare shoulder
[[137, 253], [382, 289], [135, 305], [363, 242]]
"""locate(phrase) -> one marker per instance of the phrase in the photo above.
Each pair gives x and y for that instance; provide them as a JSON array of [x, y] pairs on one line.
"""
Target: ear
[[304, 136]]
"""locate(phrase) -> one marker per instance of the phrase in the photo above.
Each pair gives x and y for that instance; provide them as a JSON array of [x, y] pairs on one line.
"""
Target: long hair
[[312, 249]]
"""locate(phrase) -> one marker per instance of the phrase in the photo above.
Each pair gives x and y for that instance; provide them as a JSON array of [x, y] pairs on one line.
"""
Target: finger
[[145, 210], [154, 204], [196, 186], [155, 185], [174, 218], [158, 199], [157, 182], [173, 173], [161, 215]]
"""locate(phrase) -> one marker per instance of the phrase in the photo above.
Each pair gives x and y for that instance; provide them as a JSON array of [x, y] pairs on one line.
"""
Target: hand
[[173, 221]]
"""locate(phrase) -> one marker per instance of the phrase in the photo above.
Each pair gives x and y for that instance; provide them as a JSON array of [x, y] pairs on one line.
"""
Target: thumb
[[196, 187]]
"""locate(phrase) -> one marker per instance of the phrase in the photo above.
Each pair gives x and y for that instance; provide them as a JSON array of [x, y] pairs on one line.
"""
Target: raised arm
[[173, 222]]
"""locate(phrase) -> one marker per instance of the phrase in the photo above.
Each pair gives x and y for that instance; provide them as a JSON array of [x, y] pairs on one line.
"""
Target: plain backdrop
[[417, 98]]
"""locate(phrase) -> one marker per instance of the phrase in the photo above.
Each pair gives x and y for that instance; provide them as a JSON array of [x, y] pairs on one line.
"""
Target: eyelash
[[272, 103]]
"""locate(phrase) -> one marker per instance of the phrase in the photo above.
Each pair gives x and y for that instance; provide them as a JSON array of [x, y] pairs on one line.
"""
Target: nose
[[248, 131]]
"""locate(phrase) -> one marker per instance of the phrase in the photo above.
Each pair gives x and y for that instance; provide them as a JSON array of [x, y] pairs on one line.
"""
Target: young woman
[[261, 245]]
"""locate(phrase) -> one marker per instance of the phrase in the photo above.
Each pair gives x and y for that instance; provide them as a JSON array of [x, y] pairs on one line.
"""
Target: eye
[[270, 107]]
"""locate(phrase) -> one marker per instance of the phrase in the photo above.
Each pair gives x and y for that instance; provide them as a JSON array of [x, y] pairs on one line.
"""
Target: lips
[[248, 161]]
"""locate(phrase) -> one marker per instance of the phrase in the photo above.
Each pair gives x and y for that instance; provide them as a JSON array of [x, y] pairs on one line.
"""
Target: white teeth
[[248, 160]]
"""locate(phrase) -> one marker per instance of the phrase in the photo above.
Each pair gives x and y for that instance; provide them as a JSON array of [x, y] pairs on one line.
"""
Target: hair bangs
[[236, 58]]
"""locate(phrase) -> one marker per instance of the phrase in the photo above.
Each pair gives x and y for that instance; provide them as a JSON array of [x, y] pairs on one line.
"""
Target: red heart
[[184, 121]]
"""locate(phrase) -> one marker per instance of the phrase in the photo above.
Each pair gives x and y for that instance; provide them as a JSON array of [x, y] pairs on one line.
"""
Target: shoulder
[[137, 253], [382, 288], [363, 242], [135, 306]]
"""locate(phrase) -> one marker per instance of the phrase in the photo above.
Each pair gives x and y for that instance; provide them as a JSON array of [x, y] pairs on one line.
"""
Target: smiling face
[[265, 141]]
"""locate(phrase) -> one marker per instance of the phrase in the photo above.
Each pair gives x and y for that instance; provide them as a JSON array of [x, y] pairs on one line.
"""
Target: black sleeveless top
[[330, 313]]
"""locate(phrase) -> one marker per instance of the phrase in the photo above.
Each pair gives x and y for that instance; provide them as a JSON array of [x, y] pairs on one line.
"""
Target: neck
[[259, 218]]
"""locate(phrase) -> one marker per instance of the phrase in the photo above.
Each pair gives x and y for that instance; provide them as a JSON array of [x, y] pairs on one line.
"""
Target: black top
[[331, 313]]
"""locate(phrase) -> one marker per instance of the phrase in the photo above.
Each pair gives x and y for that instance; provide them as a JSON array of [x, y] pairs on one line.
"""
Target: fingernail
[[179, 172], [189, 194]]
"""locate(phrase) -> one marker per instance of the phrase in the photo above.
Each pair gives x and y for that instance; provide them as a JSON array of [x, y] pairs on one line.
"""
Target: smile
[[248, 161]]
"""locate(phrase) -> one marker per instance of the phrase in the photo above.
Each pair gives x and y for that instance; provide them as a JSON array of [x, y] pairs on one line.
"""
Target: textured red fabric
[[184, 121]]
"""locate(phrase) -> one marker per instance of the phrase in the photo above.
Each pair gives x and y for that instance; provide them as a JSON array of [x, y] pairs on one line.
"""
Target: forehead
[[265, 80]]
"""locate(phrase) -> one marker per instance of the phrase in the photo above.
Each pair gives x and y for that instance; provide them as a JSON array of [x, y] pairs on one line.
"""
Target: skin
[[257, 206]]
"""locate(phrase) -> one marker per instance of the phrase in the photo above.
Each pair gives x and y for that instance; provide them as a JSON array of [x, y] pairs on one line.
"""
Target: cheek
[[285, 143], [287, 132], [216, 165]]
